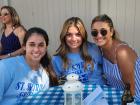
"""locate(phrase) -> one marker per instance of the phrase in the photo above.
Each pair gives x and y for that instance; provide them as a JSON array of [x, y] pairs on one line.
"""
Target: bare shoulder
[[124, 53], [20, 31]]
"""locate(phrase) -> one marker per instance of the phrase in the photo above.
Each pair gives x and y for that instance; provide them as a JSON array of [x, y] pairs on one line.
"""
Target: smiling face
[[35, 48], [102, 40], [73, 39]]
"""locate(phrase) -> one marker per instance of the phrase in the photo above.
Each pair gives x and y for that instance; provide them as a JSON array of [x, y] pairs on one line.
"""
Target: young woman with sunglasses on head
[[76, 55], [121, 65], [12, 33], [26, 75]]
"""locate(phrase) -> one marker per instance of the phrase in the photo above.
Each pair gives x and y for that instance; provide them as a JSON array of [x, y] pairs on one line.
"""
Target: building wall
[[51, 14], [126, 19]]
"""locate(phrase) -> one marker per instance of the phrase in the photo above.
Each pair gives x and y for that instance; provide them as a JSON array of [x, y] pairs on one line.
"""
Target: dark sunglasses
[[103, 32], [5, 14]]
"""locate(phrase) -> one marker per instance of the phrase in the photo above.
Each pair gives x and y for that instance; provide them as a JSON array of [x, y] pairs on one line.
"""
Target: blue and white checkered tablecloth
[[55, 96]]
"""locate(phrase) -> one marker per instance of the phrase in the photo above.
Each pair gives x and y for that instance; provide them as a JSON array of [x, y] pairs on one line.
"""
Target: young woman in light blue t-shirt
[[76, 55], [26, 75]]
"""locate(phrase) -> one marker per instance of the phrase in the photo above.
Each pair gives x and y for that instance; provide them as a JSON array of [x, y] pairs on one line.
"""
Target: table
[[55, 96]]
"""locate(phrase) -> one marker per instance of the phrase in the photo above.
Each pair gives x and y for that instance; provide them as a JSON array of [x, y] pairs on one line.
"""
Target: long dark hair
[[46, 59]]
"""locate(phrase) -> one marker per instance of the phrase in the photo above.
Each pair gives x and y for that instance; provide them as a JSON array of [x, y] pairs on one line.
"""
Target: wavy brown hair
[[63, 49]]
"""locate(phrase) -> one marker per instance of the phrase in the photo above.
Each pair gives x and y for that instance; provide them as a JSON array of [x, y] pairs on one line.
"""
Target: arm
[[57, 66], [56, 63], [126, 58], [20, 32], [4, 79], [2, 85]]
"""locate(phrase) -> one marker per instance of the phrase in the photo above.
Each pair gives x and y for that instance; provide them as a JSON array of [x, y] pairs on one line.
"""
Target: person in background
[[12, 33], [27, 74], [121, 64], [76, 55]]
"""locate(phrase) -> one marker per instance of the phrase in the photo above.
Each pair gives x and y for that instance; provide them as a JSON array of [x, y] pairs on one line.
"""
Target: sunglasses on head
[[95, 33], [5, 14]]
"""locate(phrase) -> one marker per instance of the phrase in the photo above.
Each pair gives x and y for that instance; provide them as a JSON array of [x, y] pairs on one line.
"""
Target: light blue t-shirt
[[18, 81], [76, 65]]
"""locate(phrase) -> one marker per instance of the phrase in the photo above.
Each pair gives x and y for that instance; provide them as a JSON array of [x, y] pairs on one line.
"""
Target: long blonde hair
[[14, 15]]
